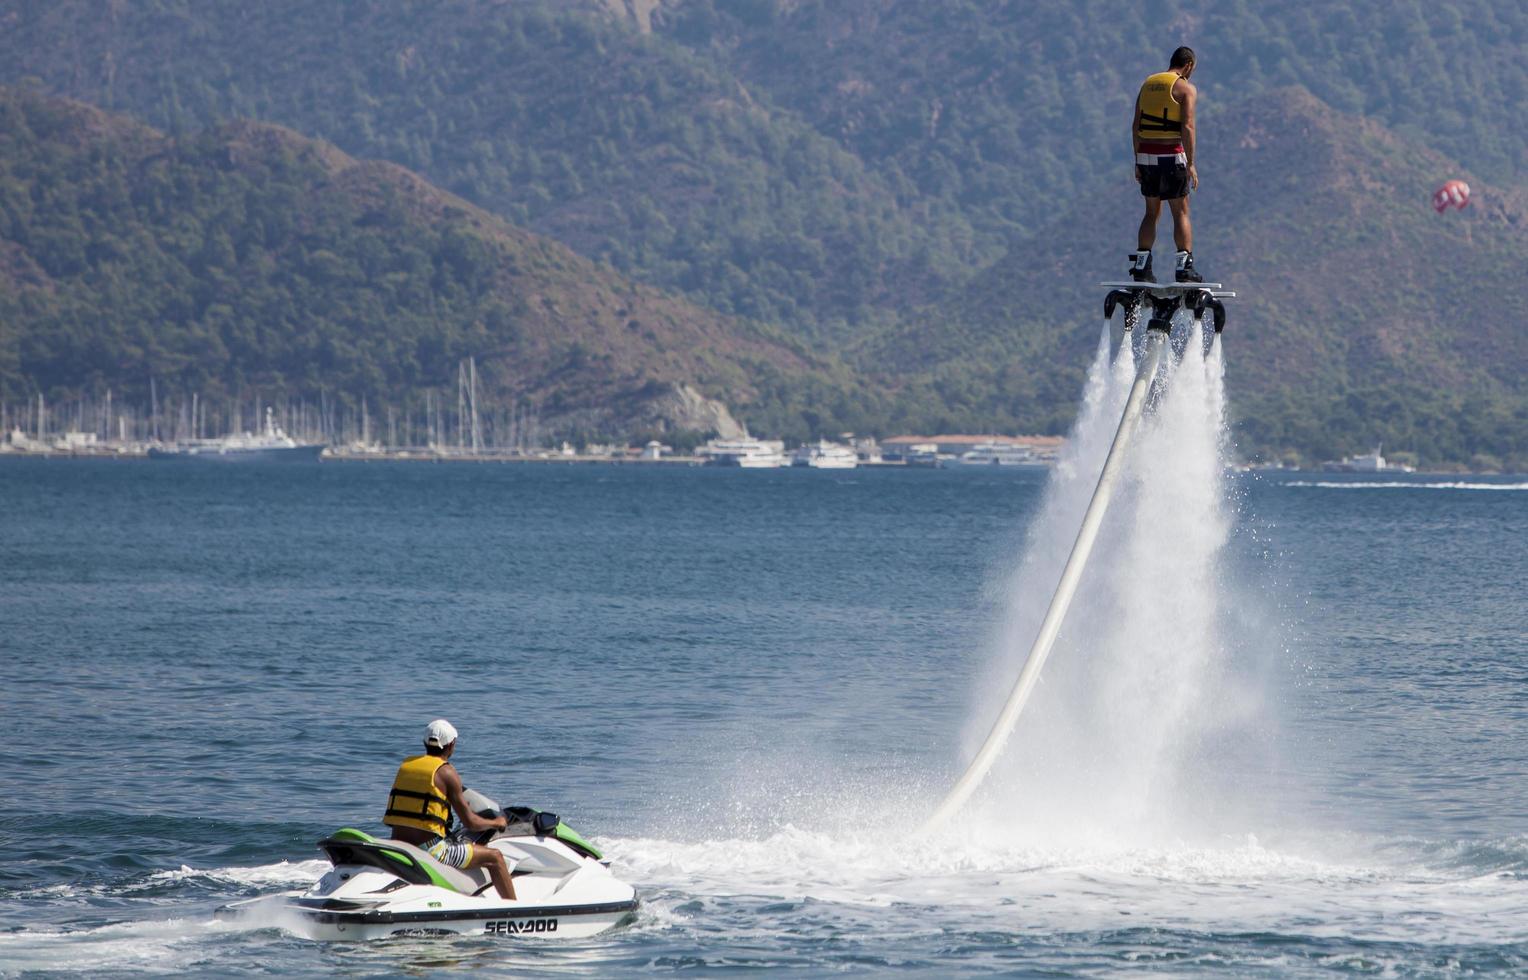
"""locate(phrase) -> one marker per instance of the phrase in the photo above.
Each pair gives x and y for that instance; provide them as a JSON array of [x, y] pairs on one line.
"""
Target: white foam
[[167, 945], [1233, 885], [282, 873], [171, 944]]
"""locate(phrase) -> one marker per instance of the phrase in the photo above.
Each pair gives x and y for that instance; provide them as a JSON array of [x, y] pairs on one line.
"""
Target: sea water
[[1283, 732]]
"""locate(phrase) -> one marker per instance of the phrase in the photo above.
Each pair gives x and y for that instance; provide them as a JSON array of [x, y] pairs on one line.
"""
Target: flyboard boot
[[1185, 270], [1140, 266]]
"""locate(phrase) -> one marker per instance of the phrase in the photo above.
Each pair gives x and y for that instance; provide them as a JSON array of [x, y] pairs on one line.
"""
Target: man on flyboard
[[1162, 138]]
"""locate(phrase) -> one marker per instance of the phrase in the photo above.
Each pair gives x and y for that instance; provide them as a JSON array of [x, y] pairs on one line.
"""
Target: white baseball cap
[[439, 733]]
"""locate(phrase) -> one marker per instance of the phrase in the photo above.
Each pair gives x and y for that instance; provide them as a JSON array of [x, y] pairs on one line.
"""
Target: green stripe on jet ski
[[436, 878], [350, 833], [564, 832], [361, 837]]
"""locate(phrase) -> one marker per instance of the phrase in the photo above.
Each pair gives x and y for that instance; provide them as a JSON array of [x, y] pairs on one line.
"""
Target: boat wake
[[963, 882], [1398, 485], [160, 922], [869, 889], [252, 880]]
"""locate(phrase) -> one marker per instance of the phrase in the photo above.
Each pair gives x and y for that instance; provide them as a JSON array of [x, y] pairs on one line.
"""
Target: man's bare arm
[[1189, 96], [451, 785], [1135, 125]]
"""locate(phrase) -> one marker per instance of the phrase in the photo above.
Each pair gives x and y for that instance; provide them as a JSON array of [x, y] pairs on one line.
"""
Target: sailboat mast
[[477, 435]]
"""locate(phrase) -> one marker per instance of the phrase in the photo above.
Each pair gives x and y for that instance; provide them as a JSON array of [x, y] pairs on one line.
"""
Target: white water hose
[[1065, 589]]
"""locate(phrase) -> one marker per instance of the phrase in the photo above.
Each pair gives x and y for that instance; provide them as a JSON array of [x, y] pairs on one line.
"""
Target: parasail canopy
[[1453, 193]]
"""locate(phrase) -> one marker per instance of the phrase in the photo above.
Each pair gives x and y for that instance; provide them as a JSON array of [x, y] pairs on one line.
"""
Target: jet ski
[[380, 887]]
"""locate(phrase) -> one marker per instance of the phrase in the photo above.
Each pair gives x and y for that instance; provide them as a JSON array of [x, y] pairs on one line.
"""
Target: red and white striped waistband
[[1155, 154]]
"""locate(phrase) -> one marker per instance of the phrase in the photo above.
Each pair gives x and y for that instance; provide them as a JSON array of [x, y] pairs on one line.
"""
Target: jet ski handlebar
[[521, 820]]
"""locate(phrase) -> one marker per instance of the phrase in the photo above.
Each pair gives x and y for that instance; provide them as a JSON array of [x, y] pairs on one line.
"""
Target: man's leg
[[1148, 234], [1183, 229], [498, 870]]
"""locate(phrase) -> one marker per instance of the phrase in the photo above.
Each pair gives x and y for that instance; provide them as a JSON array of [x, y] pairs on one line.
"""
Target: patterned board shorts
[[1165, 177], [454, 853]]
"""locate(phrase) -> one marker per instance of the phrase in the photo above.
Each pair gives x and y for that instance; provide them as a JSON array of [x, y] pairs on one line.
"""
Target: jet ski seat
[[412, 864]]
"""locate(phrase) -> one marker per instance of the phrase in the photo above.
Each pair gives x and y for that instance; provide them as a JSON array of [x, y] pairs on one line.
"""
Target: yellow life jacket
[[1161, 114], [415, 801]]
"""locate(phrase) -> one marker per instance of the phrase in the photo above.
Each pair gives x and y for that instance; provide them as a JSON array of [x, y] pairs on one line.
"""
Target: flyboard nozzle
[[1219, 309], [1162, 310], [1115, 297]]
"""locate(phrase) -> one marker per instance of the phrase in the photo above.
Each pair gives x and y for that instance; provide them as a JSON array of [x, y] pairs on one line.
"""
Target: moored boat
[[271, 444], [824, 455], [999, 454], [746, 453]]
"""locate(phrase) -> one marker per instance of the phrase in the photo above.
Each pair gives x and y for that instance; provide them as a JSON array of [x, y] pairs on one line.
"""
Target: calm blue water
[[748, 686]]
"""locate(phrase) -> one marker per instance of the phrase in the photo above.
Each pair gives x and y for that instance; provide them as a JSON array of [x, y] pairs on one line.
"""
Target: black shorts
[[1166, 179]]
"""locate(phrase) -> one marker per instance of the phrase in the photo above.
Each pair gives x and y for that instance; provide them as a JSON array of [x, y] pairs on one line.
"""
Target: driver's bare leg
[[493, 859]]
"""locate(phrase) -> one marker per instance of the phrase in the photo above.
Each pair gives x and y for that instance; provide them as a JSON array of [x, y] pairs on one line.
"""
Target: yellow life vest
[[415, 801], [1161, 114]]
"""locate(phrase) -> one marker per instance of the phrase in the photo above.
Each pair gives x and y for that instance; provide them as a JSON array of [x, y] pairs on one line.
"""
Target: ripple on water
[[749, 693]]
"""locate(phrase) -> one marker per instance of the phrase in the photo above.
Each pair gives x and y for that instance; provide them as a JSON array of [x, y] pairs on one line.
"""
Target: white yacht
[[826, 455], [1374, 462], [271, 444], [1367, 462], [999, 454], [753, 454]]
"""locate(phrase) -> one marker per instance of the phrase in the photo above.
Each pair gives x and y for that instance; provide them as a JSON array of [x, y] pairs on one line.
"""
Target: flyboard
[[1164, 300]]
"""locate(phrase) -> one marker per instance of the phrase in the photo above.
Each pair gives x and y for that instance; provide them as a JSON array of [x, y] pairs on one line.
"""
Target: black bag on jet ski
[[527, 822]]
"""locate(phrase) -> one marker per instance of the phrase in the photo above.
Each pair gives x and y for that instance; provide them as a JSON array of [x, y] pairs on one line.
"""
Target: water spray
[[1165, 300]]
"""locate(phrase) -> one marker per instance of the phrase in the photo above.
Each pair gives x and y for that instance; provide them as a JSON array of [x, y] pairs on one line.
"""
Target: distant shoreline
[[424, 456]]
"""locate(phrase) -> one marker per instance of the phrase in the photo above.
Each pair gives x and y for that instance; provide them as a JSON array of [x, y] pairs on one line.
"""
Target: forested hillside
[[883, 177], [1000, 110], [248, 259], [818, 163], [632, 150]]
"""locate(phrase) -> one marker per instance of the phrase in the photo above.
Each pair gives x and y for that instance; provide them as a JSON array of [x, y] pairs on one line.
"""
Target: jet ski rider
[[425, 792]]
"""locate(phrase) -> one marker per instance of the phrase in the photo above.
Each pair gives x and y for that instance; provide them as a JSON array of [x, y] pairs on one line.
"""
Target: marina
[[274, 444]]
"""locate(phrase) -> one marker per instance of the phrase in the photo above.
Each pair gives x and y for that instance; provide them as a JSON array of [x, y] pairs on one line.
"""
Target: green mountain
[[822, 164], [1363, 315], [999, 109], [856, 171], [248, 260], [632, 150]]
